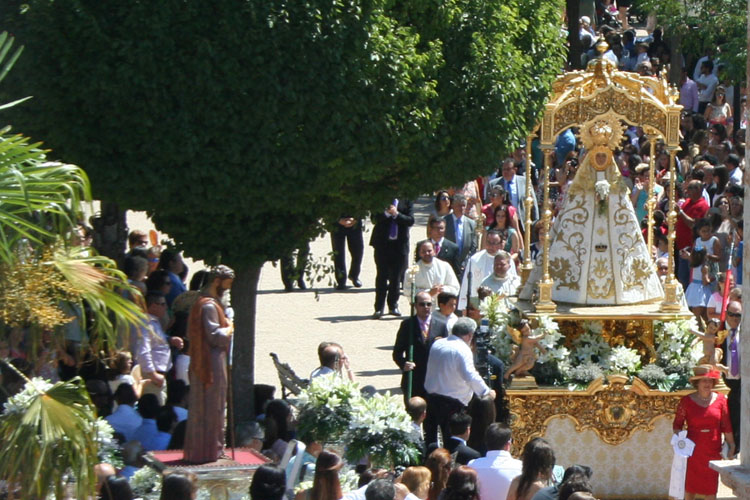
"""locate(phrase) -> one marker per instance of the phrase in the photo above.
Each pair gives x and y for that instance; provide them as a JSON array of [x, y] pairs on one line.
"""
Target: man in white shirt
[[433, 275], [498, 468], [735, 172], [707, 83], [333, 359], [451, 378], [501, 280], [481, 265], [447, 303]]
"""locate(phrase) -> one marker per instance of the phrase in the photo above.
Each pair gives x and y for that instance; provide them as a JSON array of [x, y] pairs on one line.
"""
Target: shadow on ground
[[344, 319], [375, 373]]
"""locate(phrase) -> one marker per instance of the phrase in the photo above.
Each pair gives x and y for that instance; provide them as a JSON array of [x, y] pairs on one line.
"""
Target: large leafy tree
[[242, 127]]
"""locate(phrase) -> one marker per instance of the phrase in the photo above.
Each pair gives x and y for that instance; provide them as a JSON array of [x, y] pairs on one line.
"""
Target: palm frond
[[39, 200], [6, 42], [104, 289], [47, 431]]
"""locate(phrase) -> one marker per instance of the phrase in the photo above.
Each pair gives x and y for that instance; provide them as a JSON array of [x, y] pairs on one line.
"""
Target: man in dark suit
[[460, 427], [515, 189], [390, 239], [461, 230], [733, 379], [347, 231], [445, 249], [420, 331]]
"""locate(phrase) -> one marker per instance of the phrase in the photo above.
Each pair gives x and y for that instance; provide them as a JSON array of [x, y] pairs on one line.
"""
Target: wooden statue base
[[523, 383]]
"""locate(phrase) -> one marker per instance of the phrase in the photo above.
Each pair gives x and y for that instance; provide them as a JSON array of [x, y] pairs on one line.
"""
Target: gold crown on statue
[[604, 131]]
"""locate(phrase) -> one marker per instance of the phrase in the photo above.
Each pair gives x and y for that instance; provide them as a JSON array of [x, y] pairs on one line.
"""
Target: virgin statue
[[597, 254]]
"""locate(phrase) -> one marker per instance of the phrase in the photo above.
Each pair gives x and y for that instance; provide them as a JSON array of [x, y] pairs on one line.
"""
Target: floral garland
[[381, 429], [591, 357], [326, 408]]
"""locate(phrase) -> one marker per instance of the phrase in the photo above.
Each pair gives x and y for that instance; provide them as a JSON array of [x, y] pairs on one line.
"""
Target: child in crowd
[[700, 289]]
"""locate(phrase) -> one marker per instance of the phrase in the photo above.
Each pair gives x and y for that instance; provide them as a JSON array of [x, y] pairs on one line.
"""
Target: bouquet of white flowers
[[381, 429], [326, 408], [623, 360]]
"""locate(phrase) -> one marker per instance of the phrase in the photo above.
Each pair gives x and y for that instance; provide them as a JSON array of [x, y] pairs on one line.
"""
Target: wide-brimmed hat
[[707, 372], [641, 167]]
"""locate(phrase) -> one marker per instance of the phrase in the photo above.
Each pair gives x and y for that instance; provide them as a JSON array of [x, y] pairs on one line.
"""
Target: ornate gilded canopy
[[643, 101], [604, 97]]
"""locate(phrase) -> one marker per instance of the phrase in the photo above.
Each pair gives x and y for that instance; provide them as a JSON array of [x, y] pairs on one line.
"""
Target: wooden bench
[[290, 382]]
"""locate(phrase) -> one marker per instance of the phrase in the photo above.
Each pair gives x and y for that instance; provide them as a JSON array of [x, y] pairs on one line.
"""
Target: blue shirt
[[178, 287]]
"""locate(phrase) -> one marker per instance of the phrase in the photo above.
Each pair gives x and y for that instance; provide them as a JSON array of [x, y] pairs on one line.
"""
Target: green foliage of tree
[[242, 127], [701, 24]]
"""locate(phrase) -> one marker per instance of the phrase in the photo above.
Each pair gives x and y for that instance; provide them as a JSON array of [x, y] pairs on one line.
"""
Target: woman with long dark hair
[[463, 484], [538, 462], [442, 203], [179, 485], [269, 483], [278, 416], [502, 223], [326, 485]]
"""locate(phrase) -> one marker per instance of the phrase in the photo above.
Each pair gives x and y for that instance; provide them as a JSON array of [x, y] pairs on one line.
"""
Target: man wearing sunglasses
[[731, 348], [420, 331]]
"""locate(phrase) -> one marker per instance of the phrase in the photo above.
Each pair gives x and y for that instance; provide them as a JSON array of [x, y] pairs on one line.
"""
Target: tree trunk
[[244, 294], [110, 231], [573, 10], [675, 60]]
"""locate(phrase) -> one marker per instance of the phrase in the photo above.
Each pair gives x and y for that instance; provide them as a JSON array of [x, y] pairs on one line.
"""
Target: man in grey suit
[[461, 230], [515, 189]]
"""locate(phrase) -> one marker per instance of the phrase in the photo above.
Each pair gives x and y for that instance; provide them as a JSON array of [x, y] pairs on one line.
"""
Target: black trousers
[[389, 263], [733, 401], [291, 272], [440, 409], [341, 238]]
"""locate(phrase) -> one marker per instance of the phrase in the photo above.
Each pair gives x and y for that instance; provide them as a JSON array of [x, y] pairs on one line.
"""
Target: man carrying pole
[[413, 341]]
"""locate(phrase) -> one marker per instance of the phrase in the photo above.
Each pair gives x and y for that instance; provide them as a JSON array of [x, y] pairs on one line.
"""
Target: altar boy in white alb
[[501, 281], [433, 275]]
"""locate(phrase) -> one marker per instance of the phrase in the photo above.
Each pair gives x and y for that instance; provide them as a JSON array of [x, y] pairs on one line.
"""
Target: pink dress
[[705, 427]]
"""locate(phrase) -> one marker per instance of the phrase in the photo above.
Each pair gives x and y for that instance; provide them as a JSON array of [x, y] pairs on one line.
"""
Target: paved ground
[[293, 324]]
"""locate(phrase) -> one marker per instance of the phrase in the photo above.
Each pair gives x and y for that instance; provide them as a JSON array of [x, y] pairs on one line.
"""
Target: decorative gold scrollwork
[[614, 411]]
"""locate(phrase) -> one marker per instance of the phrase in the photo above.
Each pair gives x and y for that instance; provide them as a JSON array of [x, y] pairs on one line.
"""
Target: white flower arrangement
[[381, 429], [146, 482], [553, 341], [590, 347], [20, 402], [677, 350], [109, 449], [502, 342], [586, 372], [602, 195], [495, 310], [624, 360], [326, 408]]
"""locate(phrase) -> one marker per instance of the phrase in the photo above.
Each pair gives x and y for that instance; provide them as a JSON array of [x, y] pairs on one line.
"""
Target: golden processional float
[[620, 333]]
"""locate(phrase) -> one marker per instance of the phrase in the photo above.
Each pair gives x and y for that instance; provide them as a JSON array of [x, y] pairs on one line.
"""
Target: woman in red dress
[[707, 416]]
